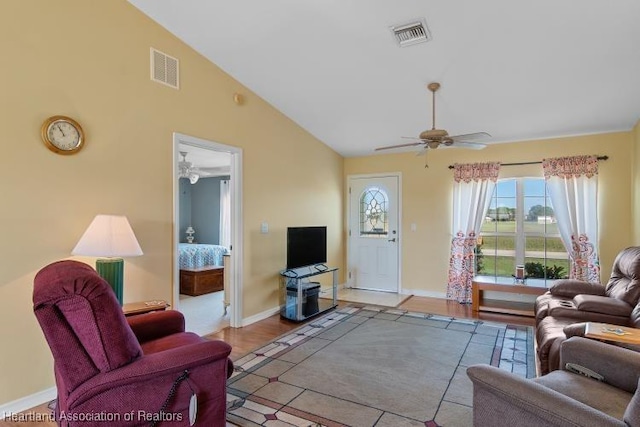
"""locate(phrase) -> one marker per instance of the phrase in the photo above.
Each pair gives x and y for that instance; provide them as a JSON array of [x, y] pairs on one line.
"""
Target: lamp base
[[112, 270]]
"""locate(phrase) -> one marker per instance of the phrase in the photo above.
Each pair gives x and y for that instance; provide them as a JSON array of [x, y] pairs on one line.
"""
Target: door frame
[[398, 175], [235, 187]]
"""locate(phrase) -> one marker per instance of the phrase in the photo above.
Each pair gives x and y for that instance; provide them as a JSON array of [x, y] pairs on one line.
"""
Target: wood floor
[[248, 338]]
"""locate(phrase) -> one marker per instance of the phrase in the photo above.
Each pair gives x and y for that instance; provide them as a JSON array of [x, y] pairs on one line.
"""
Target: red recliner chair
[[117, 371]]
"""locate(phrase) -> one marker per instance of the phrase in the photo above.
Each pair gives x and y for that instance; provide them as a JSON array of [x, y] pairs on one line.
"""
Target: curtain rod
[[533, 163]]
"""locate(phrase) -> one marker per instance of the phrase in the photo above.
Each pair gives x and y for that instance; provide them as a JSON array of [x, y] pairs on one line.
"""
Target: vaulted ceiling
[[519, 70]]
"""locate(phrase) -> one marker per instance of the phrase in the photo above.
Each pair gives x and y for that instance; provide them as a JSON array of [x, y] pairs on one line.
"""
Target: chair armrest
[[570, 288], [602, 304], [619, 366], [501, 398], [151, 368], [157, 324]]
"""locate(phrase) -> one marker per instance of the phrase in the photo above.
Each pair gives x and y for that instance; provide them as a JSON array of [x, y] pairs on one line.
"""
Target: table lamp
[[190, 231], [109, 236]]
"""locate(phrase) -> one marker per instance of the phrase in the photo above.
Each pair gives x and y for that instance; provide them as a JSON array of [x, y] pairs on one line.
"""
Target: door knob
[[392, 240]]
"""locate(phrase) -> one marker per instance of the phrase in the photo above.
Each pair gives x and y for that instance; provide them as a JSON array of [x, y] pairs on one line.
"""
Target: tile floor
[[386, 299]]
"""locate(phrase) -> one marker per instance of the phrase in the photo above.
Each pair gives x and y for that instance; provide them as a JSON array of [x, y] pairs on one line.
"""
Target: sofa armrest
[[501, 398], [602, 304], [157, 324], [569, 288], [619, 366], [575, 330], [169, 363]]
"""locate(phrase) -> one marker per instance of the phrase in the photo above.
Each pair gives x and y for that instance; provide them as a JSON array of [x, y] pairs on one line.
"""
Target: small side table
[[481, 284], [141, 307], [615, 333]]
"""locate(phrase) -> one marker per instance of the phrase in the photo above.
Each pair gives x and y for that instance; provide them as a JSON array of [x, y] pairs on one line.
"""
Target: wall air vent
[[164, 69], [412, 33]]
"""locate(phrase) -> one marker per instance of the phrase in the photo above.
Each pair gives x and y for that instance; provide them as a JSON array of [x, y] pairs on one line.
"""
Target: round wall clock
[[62, 135]]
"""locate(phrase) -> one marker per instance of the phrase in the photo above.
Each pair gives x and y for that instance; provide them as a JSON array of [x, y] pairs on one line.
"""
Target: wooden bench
[[200, 281]]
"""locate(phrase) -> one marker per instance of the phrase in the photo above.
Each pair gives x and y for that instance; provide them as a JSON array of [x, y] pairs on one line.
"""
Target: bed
[[201, 268], [199, 256]]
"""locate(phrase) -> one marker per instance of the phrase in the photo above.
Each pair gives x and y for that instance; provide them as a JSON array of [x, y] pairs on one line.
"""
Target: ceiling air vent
[[412, 33], [164, 68]]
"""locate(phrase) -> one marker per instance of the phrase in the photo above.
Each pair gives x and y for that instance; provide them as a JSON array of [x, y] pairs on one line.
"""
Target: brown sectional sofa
[[563, 311]]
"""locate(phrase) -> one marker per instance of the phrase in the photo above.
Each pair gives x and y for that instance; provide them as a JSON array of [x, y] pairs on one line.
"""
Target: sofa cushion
[[570, 288], [601, 304], [171, 341], [568, 309], [598, 395], [624, 282]]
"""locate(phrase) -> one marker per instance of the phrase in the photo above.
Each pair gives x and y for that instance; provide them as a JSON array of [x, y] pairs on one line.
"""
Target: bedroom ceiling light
[[186, 170]]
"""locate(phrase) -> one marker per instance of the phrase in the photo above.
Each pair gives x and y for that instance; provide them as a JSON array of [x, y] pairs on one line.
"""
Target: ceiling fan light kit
[[433, 138]]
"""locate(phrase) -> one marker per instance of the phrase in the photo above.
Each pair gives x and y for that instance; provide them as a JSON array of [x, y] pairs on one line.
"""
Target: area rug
[[373, 366]]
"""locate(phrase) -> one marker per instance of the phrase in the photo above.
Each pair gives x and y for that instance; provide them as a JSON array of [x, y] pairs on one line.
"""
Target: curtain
[[572, 183], [472, 190], [225, 214]]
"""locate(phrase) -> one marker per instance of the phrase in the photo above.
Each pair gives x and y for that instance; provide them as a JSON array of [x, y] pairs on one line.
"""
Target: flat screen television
[[306, 246]]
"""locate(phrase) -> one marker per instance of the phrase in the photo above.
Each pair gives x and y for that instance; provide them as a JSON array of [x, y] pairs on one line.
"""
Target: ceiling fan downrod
[[433, 87]]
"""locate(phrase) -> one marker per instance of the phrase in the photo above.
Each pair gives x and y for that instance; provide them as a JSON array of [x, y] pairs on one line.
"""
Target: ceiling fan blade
[[389, 147], [470, 136], [465, 144]]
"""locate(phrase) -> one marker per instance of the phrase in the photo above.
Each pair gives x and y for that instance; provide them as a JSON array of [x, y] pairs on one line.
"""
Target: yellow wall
[[636, 184], [90, 60], [426, 195]]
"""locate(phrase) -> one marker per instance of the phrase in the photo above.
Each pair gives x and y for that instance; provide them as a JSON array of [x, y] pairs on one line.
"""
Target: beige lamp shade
[[108, 236]]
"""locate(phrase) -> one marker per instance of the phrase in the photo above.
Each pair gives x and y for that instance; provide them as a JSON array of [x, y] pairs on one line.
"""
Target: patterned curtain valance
[[476, 172], [570, 167]]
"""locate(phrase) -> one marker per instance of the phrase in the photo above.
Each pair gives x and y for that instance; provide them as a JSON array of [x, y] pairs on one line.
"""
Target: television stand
[[299, 296]]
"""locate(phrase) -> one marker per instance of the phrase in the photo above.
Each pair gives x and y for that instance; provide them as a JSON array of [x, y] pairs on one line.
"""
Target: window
[[520, 228], [373, 213]]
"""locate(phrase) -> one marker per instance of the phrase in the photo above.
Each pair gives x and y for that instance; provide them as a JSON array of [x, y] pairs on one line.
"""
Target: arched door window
[[374, 203]]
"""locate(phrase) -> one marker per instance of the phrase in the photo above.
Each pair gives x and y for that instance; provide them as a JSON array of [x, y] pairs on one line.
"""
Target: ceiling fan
[[187, 170], [433, 138], [194, 173]]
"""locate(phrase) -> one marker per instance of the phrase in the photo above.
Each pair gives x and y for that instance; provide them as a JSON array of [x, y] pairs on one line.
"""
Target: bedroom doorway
[[207, 233]]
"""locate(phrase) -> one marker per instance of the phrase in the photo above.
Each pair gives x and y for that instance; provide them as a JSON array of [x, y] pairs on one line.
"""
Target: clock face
[[62, 135]]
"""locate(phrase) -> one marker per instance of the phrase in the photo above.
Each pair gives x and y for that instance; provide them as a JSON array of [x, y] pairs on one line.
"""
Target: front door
[[373, 232]]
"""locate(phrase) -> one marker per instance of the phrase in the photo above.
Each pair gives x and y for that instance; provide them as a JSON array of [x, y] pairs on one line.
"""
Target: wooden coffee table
[[506, 285], [615, 333]]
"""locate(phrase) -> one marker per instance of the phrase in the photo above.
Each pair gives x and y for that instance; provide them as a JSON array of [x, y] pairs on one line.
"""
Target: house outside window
[[520, 228]]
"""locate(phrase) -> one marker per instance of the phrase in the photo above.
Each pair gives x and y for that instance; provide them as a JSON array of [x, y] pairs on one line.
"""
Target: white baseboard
[[423, 293], [27, 402], [260, 316]]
